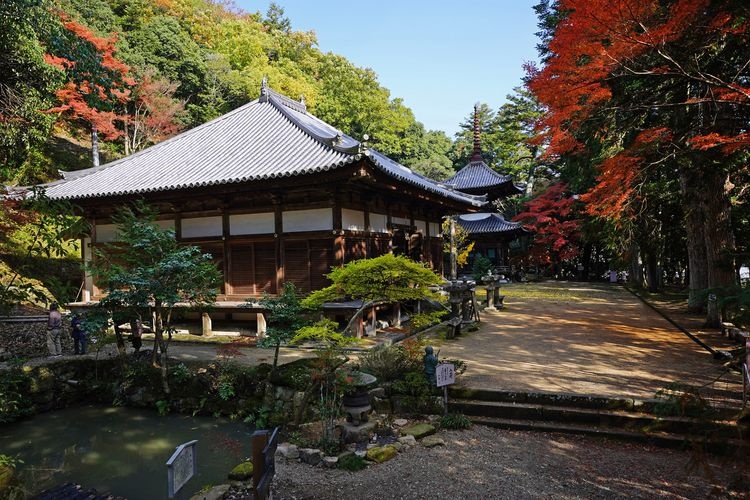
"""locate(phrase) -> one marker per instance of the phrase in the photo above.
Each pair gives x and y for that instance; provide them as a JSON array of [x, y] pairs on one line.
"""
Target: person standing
[[54, 329], [78, 334]]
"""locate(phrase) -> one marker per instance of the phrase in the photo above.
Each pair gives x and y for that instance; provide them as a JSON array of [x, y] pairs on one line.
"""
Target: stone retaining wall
[[26, 337]]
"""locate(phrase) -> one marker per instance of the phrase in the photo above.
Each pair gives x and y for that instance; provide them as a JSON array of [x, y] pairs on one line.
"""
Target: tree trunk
[[718, 235], [94, 147], [636, 270], [159, 335], [696, 244], [652, 270]]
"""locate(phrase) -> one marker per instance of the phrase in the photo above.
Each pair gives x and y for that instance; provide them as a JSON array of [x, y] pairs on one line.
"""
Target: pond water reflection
[[122, 451]]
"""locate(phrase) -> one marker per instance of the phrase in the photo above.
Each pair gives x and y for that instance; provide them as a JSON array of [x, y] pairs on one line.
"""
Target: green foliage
[[323, 333], [10, 461], [14, 387], [420, 321], [37, 229], [181, 373], [455, 421], [162, 406], [284, 318], [681, 400], [387, 363], [226, 388], [482, 266], [147, 269], [352, 463], [388, 277]]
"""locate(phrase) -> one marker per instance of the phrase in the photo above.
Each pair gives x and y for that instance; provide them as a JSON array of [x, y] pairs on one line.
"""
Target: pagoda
[[490, 231]]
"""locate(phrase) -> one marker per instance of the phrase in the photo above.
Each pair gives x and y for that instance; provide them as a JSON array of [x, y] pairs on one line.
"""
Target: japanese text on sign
[[445, 374]]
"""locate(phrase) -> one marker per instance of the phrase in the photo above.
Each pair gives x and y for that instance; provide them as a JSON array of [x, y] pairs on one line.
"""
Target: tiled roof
[[482, 223], [268, 138], [477, 175]]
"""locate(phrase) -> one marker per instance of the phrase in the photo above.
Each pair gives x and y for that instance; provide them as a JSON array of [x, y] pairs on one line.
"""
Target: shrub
[[482, 266], [681, 400], [385, 362], [162, 406], [455, 421], [352, 463], [14, 385], [420, 321], [181, 373]]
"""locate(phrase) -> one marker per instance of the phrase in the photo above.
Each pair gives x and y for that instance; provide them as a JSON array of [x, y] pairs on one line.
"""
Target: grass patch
[[551, 291]]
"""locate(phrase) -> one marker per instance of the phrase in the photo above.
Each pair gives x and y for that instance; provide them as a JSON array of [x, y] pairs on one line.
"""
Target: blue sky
[[441, 57]]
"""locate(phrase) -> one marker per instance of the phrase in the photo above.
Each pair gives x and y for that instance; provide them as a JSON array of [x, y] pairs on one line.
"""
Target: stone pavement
[[598, 340]]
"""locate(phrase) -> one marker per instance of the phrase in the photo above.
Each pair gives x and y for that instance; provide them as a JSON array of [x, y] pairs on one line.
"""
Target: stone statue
[[430, 364]]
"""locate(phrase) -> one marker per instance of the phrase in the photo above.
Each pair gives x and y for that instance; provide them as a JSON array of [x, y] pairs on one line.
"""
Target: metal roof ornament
[[476, 154]]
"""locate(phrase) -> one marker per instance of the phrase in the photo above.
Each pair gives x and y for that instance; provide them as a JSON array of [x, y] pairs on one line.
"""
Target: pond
[[122, 451]]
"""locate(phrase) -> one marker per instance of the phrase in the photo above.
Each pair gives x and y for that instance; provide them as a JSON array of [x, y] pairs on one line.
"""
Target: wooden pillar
[[339, 249], [225, 231], [278, 220]]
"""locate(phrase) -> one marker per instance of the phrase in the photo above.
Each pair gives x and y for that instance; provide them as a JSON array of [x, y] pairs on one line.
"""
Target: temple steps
[[625, 419]]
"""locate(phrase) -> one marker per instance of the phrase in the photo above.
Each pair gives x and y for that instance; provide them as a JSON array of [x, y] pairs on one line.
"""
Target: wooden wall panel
[[297, 264]]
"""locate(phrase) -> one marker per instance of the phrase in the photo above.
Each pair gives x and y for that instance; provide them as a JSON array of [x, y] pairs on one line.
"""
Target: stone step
[[572, 400], [599, 417], [665, 439]]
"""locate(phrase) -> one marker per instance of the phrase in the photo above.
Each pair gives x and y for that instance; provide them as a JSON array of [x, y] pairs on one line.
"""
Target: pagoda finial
[[476, 154]]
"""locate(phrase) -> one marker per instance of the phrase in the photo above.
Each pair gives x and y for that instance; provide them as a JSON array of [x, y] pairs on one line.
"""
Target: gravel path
[[489, 463]]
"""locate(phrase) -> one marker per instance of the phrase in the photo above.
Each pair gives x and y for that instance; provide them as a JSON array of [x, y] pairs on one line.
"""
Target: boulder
[[400, 422], [288, 451], [330, 462], [419, 431], [432, 441], [242, 472], [381, 454], [310, 456], [408, 440]]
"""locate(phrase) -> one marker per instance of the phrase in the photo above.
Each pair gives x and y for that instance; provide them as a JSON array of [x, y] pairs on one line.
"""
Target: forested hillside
[[138, 71]]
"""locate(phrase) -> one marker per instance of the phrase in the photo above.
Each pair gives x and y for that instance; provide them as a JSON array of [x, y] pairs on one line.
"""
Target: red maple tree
[[98, 84], [551, 217]]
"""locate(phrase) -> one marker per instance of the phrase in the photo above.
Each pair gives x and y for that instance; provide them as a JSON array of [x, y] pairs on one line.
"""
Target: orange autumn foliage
[[600, 46], [98, 83]]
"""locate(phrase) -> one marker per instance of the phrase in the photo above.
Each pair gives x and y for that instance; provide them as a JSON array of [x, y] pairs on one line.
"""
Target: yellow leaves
[[463, 257]]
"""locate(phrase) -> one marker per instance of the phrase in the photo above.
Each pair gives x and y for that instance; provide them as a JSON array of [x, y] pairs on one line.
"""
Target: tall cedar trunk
[[652, 269], [696, 241], [636, 270], [718, 235]]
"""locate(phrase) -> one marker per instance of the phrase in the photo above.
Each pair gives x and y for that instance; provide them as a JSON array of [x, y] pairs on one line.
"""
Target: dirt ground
[[584, 338]]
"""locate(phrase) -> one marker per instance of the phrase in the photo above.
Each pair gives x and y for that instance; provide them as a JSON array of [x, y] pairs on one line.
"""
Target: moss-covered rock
[[242, 472], [419, 431], [381, 454]]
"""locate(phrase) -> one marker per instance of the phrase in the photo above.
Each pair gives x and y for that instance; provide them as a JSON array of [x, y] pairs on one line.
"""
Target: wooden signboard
[[181, 466], [264, 464]]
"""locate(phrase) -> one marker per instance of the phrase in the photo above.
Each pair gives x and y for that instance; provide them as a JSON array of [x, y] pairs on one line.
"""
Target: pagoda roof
[[477, 175], [487, 223], [271, 137]]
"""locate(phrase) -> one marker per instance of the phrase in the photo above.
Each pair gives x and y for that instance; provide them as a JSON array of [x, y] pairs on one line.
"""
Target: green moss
[[419, 431], [242, 472], [381, 454]]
